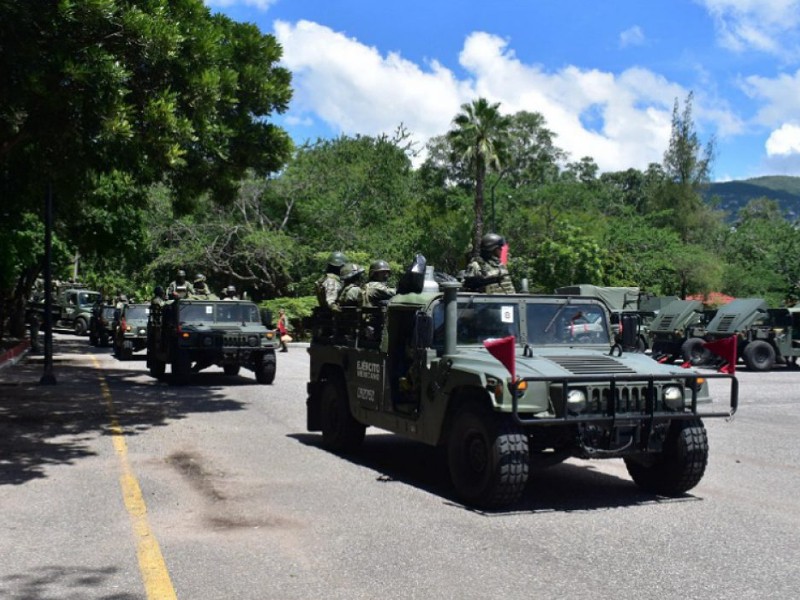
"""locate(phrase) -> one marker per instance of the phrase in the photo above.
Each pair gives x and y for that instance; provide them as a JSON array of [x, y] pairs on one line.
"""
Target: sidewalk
[[15, 354]]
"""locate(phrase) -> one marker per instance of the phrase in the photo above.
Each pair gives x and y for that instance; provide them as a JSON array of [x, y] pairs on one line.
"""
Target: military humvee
[[419, 368], [765, 336], [102, 324], [191, 335], [130, 334], [678, 331]]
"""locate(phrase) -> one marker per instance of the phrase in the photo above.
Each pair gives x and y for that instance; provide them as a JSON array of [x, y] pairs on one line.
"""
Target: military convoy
[[73, 307], [191, 335], [419, 368], [678, 331]]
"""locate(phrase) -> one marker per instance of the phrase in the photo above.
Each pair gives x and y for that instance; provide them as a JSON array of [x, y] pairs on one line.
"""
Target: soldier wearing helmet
[[158, 298], [201, 289], [180, 288], [376, 292], [486, 273], [230, 293], [330, 284], [352, 275]]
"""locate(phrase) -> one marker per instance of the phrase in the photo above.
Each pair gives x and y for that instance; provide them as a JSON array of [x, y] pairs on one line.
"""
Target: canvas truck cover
[[616, 298]]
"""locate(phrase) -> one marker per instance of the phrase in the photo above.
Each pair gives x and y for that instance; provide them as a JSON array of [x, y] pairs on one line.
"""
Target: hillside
[[733, 195]]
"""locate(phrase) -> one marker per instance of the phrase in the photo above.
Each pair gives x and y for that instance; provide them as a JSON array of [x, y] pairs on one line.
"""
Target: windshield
[[88, 298], [478, 321], [137, 312], [219, 312], [574, 323]]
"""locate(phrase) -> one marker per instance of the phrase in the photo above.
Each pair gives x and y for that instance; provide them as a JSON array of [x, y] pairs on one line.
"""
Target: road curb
[[15, 354]]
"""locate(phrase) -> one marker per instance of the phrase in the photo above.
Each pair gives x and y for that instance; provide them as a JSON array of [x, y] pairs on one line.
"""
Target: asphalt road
[[113, 484]]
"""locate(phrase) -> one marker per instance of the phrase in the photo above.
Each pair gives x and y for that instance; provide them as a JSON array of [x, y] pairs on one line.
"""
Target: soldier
[[352, 276], [180, 288], [329, 285], [158, 298], [230, 293], [486, 273], [201, 289], [376, 292], [122, 300]]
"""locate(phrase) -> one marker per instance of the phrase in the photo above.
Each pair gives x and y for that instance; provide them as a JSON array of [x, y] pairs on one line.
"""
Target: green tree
[[479, 139], [155, 91]]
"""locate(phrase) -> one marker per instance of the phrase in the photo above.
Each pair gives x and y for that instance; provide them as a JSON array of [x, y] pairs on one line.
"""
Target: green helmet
[[181, 273], [199, 278], [491, 242], [351, 271], [336, 259], [379, 266]]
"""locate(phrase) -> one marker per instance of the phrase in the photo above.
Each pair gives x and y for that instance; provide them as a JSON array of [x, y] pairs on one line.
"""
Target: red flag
[[725, 349], [503, 349], [504, 254]]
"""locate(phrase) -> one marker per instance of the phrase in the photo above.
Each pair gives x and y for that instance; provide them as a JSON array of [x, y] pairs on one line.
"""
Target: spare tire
[[695, 352]]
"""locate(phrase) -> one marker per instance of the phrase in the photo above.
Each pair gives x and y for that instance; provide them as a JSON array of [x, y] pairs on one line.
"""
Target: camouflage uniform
[[376, 292], [486, 274], [351, 292], [181, 289], [328, 288]]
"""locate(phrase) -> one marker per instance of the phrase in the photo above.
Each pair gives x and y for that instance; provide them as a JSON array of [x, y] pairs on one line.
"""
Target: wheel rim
[[476, 453]]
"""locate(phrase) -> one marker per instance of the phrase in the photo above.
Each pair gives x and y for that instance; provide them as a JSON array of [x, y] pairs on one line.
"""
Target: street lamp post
[[48, 378]]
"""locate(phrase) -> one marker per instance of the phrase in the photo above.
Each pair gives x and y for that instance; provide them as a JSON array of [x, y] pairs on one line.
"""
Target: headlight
[[576, 402], [673, 397]]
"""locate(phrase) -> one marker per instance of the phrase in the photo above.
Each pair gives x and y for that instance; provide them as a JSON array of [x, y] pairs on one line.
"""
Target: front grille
[[236, 340], [593, 365], [628, 399]]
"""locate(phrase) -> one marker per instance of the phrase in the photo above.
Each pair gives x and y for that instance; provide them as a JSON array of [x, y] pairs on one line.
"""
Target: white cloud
[[781, 95], [259, 4], [765, 25], [621, 120], [631, 37], [784, 141]]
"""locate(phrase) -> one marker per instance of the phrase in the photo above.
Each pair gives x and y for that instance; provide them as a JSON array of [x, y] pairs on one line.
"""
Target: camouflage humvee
[[130, 334], [191, 335], [678, 331], [419, 368]]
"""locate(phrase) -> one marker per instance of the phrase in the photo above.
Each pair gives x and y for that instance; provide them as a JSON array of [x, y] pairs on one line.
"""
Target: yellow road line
[[157, 583]]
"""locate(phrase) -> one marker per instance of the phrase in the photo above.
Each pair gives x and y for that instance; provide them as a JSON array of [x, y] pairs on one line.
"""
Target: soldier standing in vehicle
[[180, 288], [158, 298], [352, 276], [330, 284], [230, 293], [376, 291], [486, 273], [201, 289]]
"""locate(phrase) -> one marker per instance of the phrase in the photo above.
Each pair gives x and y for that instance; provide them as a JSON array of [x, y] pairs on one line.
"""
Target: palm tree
[[479, 140]]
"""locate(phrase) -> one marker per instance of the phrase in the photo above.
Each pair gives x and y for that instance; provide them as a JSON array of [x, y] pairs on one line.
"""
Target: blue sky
[[605, 75]]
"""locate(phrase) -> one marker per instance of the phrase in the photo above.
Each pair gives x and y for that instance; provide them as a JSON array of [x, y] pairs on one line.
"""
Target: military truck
[[130, 333], [678, 332], [419, 368], [74, 305], [102, 324], [765, 336], [624, 301], [191, 335]]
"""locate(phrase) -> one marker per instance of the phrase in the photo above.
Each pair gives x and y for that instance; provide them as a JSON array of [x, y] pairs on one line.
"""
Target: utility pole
[[48, 378]]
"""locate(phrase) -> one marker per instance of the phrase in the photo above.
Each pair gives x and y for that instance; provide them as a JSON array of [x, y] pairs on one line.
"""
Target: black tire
[[695, 352], [340, 431], [231, 370], [264, 369], [81, 327], [488, 458], [681, 464], [759, 356], [157, 368], [181, 368]]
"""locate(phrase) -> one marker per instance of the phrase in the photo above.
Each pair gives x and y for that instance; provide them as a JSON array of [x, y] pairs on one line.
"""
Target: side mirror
[[423, 331], [413, 280], [630, 330]]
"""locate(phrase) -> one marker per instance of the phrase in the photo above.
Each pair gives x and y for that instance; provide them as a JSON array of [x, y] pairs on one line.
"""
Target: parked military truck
[[74, 307], [678, 330], [130, 333], [765, 336], [191, 335], [419, 368]]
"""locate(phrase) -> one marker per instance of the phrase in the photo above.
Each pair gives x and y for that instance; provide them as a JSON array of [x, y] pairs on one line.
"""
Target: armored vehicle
[[102, 324], [75, 306], [765, 336], [678, 331], [130, 334], [191, 335], [419, 367]]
